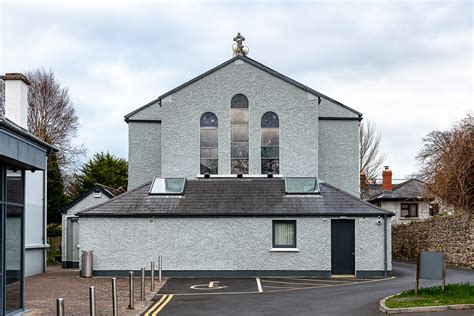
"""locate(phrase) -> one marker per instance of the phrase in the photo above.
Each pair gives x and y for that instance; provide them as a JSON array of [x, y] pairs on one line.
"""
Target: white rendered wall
[[237, 243], [69, 244], [395, 207], [16, 102]]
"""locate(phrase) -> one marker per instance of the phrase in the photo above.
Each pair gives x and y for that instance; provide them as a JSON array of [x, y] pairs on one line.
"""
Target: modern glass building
[[20, 153], [12, 205]]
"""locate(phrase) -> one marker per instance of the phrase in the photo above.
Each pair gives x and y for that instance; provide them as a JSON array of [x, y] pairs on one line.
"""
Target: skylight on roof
[[301, 185], [167, 186]]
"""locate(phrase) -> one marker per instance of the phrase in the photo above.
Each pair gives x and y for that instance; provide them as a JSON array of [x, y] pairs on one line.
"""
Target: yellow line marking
[[349, 276], [163, 305], [155, 305]]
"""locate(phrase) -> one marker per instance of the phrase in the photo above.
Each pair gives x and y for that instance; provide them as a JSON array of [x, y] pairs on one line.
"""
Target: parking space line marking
[[155, 305], [319, 280], [259, 285], [294, 283], [279, 287], [163, 305], [285, 289]]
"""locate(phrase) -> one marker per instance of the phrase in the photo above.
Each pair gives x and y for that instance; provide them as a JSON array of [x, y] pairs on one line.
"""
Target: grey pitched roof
[[412, 189], [254, 63], [107, 191], [236, 197]]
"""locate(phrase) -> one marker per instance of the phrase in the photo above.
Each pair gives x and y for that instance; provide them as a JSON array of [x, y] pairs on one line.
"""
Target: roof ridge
[[114, 198], [110, 188], [400, 185], [254, 63]]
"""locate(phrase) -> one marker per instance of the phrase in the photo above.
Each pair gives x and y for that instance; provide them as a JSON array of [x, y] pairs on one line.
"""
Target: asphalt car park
[[291, 296], [202, 287]]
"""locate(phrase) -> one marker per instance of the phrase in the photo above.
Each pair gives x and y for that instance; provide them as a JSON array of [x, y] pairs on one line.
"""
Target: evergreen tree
[[105, 169], [56, 197]]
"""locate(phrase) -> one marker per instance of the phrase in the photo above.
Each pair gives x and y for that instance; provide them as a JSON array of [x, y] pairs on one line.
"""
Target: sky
[[407, 66]]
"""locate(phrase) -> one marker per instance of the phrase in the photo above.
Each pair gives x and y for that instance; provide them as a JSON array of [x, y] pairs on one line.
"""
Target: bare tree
[[52, 118], [447, 165], [371, 159]]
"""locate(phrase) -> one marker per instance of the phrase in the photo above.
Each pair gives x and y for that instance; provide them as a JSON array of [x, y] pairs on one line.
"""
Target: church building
[[241, 171]]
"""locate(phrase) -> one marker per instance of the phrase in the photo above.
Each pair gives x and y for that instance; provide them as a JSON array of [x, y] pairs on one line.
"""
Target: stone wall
[[453, 235]]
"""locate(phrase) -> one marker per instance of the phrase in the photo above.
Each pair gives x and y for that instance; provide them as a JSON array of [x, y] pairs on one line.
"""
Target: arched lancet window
[[239, 134], [270, 143], [209, 143]]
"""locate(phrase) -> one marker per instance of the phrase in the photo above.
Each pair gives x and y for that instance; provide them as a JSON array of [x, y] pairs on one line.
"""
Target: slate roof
[[236, 197], [107, 191], [412, 189], [256, 64]]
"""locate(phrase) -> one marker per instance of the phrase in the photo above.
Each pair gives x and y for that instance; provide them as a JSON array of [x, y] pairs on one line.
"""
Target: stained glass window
[[209, 144], [270, 152], [239, 131]]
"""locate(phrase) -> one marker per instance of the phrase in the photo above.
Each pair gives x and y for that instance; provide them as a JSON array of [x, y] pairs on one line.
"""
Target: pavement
[[42, 290], [290, 296]]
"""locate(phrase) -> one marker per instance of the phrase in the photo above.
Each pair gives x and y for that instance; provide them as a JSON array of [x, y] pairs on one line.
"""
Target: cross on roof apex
[[238, 47]]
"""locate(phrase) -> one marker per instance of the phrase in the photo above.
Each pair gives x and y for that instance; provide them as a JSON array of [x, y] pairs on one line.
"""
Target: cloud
[[405, 65]]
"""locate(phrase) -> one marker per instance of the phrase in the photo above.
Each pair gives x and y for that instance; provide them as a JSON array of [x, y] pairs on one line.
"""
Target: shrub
[[54, 230]]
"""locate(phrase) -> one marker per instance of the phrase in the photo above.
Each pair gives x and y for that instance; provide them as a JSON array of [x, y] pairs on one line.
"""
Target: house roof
[[254, 63], [412, 189], [236, 197], [107, 191]]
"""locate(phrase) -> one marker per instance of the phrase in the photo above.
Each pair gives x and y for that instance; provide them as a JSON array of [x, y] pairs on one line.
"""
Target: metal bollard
[[142, 292], [92, 300], [160, 267], [60, 306], [131, 290], [114, 297], [152, 272]]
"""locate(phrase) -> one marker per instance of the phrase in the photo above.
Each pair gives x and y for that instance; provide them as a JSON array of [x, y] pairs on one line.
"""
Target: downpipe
[[385, 272]]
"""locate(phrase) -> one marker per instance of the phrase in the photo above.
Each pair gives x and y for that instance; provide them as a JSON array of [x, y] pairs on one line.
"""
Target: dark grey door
[[342, 246]]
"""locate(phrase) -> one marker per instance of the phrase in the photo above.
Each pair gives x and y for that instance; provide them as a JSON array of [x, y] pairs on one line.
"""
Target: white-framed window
[[284, 234]]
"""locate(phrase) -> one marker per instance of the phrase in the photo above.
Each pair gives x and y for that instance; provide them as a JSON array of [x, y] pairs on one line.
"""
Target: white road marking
[[283, 289], [208, 286], [259, 285]]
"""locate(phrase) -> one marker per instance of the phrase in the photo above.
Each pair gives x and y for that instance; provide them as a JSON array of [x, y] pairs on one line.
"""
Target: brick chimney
[[387, 179], [363, 181], [16, 98]]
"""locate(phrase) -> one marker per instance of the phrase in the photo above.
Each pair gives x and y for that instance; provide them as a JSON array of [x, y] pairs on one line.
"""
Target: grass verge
[[434, 296]]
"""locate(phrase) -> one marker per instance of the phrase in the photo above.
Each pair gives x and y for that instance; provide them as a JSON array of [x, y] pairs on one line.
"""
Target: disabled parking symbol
[[212, 285]]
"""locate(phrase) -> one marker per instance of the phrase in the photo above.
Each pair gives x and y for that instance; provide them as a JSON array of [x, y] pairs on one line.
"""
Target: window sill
[[285, 250], [409, 218]]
